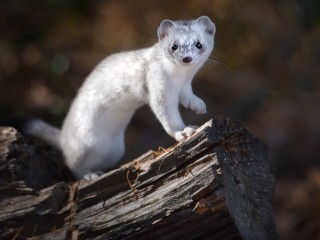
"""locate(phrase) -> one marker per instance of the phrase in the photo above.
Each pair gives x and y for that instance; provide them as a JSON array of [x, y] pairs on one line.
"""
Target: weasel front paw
[[182, 135], [198, 105]]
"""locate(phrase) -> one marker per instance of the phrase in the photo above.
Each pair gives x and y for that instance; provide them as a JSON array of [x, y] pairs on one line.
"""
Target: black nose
[[187, 59]]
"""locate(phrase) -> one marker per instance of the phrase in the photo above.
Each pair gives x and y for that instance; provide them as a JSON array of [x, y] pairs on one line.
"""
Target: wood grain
[[218, 184]]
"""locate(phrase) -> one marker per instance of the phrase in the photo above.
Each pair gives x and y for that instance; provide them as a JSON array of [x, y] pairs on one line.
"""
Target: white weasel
[[92, 135]]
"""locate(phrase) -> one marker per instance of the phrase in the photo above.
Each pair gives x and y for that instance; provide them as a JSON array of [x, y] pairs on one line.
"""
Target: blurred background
[[265, 73]]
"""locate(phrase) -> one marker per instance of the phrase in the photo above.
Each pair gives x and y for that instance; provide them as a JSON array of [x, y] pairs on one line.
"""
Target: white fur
[[92, 135]]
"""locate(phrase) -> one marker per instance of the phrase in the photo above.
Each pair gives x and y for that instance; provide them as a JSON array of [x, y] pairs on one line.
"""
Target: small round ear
[[163, 29], [209, 25]]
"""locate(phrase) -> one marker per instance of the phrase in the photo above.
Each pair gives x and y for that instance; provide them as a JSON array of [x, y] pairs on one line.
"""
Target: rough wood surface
[[218, 184]]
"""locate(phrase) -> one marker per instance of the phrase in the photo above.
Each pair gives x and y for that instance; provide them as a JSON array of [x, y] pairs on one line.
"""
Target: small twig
[[130, 185], [34, 230], [160, 151], [17, 234]]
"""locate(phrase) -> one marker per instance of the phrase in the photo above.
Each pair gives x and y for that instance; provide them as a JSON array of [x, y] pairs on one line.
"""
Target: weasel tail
[[40, 129]]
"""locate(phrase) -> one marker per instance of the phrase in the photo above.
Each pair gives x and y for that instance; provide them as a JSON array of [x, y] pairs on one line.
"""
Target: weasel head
[[188, 42]]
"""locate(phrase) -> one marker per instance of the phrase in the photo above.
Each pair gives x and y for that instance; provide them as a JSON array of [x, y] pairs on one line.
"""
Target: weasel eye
[[198, 45], [174, 47]]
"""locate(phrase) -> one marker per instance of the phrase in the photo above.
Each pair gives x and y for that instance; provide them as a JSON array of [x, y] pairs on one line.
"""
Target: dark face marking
[[126, 89], [185, 23], [145, 87], [144, 80]]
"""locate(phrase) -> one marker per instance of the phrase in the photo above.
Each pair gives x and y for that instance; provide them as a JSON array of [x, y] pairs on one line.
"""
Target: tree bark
[[218, 184]]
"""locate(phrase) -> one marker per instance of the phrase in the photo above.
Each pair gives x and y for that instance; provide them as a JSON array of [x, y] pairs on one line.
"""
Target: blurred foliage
[[264, 71]]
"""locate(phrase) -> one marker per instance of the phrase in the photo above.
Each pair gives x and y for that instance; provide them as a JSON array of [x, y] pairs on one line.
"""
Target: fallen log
[[218, 184]]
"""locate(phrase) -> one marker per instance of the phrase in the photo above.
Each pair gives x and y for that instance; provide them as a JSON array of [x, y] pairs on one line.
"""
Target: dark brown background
[[265, 73]]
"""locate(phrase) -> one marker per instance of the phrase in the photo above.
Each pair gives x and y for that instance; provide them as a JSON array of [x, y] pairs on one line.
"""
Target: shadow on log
[[218, 184]]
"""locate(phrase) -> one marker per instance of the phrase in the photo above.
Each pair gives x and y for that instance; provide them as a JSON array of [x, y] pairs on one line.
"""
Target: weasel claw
[[183, 135]]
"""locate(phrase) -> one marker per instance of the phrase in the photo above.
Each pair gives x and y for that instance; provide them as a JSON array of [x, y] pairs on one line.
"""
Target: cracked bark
[[218, 184]]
